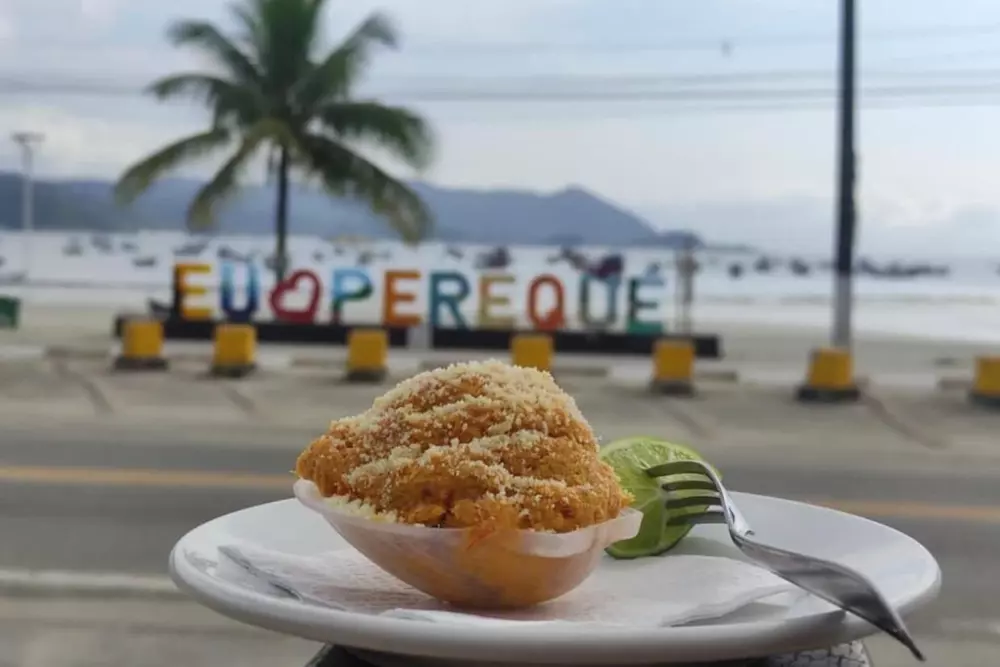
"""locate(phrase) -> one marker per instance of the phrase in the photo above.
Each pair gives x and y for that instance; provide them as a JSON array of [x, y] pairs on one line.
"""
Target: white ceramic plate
[[905, 572]]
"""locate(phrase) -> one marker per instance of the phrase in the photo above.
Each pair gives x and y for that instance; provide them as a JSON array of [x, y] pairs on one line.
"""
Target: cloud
[[80, 144], [99, 14], [6, 30], [461, 20], [763, 175], [74, 19], [805, 225], [113, 39]]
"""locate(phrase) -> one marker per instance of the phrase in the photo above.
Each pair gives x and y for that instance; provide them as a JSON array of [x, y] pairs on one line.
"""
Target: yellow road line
[[205, 479], [144, 478], [902, 509]]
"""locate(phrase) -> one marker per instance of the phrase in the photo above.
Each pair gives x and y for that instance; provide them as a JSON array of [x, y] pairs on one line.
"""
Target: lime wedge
[[629, 458]]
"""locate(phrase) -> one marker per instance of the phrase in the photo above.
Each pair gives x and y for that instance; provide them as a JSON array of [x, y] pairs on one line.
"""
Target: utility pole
[[27, 141], [846, 177]]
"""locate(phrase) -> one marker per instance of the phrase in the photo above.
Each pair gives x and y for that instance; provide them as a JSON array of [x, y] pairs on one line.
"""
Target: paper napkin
[[659, 591]]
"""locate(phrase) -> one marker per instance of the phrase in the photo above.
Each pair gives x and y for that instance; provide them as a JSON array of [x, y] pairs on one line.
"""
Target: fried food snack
[[472, 445]]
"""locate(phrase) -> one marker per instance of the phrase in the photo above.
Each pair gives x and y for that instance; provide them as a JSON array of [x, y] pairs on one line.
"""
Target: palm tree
[[273, 92]]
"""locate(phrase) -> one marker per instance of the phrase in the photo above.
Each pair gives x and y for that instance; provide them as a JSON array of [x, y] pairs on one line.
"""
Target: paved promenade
[[731, 413], [102, 472], [752, 349], [88, 514], [913, 453]]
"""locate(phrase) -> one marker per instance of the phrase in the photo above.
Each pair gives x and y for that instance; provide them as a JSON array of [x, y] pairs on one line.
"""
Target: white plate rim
[[540, 645]]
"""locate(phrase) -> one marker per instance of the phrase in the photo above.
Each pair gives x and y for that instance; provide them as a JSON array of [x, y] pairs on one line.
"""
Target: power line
[[459, 85], [742, 108], [73, 82], [698, 79], [581, 93], [755, 41], [640, 96], [700, 95]]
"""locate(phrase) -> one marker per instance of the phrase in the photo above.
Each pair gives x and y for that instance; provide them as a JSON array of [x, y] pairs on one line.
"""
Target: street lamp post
[[846, 177], [27, 141]]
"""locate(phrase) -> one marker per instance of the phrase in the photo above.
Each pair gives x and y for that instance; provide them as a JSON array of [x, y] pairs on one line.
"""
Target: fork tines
[[708, 507], [679, 467]]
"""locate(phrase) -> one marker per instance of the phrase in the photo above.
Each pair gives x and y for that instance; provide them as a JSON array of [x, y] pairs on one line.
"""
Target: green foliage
[[274, 92]]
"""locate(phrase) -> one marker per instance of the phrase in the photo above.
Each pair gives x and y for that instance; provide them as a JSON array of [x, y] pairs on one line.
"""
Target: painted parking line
[[143, 477], [202, 479]]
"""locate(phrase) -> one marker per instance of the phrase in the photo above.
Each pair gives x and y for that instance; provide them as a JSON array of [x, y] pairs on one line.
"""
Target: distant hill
[[497, 217]]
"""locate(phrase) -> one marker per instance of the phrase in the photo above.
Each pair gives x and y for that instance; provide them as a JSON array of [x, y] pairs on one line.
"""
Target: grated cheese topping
[[467, 445]]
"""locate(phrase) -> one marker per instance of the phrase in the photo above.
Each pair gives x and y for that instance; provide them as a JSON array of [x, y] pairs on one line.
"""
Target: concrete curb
[[577, 370], [59, 583], [721, 375], [275, 360], [22, 353], [62, 352], [954, 383]]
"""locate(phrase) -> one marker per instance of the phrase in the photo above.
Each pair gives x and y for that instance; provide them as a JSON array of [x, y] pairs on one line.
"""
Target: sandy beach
[[123, 271], [768, 323]]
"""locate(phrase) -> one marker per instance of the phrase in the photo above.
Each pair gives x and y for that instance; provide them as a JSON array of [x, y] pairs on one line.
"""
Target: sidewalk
[[735, 418], [756, 352], [38, 632]]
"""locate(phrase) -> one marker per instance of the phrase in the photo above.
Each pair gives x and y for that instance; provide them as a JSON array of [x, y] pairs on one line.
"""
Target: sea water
[[125, 270]]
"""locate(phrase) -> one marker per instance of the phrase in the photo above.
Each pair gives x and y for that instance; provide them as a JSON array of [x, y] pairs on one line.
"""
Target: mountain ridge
[[570, 216]]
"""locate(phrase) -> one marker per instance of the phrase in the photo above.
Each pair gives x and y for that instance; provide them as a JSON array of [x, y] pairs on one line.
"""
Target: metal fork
[[835, 583]]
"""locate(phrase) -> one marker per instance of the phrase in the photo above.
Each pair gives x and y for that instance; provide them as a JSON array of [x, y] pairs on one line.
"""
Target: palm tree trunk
[[281, 219]]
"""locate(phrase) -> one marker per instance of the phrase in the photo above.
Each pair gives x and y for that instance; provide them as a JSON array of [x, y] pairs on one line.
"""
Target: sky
[[712, 115]]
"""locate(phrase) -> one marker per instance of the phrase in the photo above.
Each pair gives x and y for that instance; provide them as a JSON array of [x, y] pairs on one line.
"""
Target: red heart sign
[[290, 285]]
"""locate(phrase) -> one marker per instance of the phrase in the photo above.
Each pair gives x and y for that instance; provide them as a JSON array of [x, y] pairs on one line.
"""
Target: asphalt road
[[70, 502]]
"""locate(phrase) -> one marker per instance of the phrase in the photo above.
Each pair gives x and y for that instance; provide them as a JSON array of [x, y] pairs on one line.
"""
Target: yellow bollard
[[234, 353], [673, 367], [986, 384], [367, 355], [142, 347], [534, 350], [830, 378]]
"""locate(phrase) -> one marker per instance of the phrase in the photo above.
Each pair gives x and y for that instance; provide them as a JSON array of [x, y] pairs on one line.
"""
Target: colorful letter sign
[[298, 280], [184, 289], [491, 301], [405, 297]]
